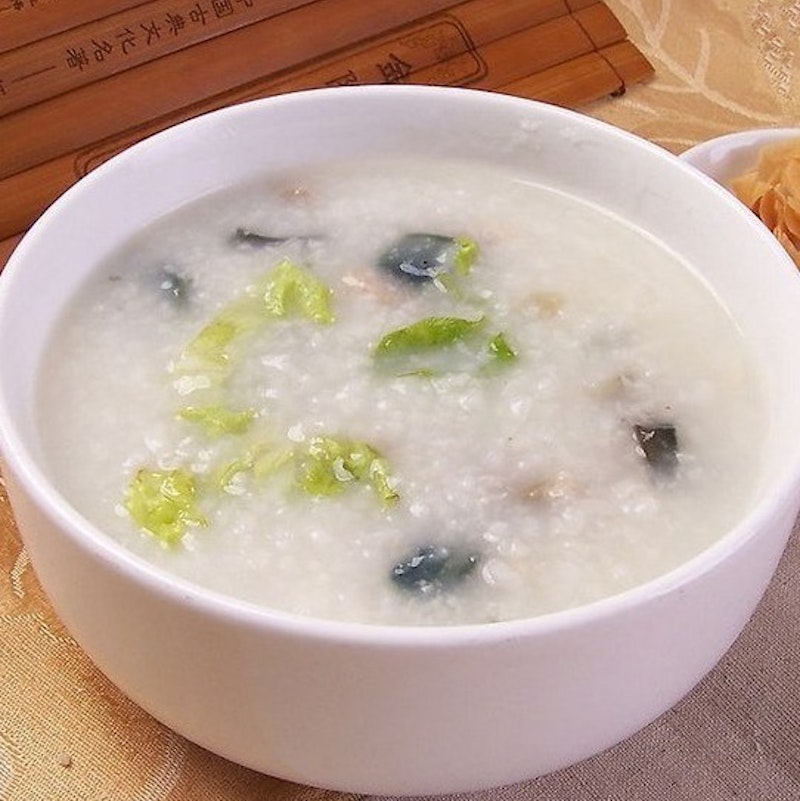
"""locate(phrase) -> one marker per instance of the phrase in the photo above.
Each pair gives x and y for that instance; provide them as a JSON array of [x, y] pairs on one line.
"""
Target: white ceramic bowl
[[729, 156], [380, 709]]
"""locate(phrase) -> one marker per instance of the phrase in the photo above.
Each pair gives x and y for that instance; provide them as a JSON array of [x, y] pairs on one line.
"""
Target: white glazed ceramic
[[732, 155], [382, 709]]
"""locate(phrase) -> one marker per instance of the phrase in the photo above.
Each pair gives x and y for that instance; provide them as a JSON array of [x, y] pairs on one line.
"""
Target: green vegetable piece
[[328, 464], [291, 290], [381, 480], [218, 420], [211, 344], [227, 474], [500, 350], [287, 290], [262, 461], [427, 334], [211, 348], [466, 255], [163, 503], [316, 469], [269, 461]]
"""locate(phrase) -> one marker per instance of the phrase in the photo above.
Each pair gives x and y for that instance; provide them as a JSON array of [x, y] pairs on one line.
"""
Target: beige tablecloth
[[66, 734]]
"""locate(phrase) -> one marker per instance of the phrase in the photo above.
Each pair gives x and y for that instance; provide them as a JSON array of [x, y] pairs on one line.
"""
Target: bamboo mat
[[81, 81]]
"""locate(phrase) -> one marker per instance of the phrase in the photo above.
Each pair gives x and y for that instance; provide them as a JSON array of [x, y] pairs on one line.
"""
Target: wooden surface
[[97, 49], [563, 51], [25, 21]]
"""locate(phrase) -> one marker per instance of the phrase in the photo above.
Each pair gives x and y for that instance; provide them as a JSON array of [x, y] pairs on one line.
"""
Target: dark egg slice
[[245, 238], [433, 568], [175, 288], [419, 257], [659, 446]]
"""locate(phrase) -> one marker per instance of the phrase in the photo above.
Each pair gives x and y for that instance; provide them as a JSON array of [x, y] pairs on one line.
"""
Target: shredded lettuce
[[427, 334], [261, 461], [267, 461], [500, 350], [234, 468], [287, 290], [467, 252], [218, 420], [163, 503], [380, 478], [211, 347], [292, 290], [211, 344], [424, 348], [323, 466], [327, 465]]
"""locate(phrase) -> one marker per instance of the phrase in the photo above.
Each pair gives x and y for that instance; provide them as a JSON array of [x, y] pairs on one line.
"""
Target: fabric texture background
[[67, 734]]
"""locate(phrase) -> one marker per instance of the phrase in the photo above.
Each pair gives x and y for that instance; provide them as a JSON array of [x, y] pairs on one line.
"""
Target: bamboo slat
[[80, 56], [523, 53], [122, 101], [585, 79], [463, 29], [567, 52], [26, 21]]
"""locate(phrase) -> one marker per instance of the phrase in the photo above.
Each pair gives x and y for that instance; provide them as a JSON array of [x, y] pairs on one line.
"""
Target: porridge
[[405, 393]]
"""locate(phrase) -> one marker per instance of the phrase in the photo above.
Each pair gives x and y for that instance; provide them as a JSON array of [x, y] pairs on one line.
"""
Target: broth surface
[[506, 476]]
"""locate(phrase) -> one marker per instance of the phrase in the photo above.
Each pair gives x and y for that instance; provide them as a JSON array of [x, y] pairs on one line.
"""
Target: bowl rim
[[175, 589], [748, 138]]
